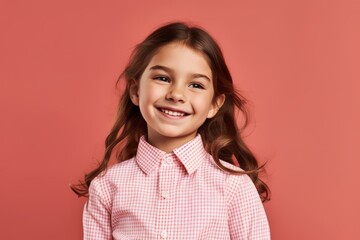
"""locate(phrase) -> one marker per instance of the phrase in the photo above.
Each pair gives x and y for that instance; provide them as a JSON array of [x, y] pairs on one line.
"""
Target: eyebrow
[[169, 70]]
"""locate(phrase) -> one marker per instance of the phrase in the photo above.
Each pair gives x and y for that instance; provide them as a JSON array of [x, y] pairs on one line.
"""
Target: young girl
[[178, 144]]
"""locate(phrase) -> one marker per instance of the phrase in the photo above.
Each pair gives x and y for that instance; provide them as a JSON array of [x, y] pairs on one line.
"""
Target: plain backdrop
[[296, 61]]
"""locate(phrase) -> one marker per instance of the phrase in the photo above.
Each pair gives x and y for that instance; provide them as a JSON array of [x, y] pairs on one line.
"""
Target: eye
[[162, 78], [196, 85]]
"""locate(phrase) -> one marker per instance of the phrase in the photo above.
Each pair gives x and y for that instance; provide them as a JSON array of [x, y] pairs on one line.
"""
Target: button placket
[[165, 194], [167, 182], [164, 178], [163, 234], [169, 160]]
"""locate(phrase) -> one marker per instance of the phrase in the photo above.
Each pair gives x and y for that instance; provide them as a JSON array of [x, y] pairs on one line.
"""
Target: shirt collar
[[191, 155]]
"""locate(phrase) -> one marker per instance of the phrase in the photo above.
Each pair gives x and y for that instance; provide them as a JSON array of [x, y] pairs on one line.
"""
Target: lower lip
[[171, 116]]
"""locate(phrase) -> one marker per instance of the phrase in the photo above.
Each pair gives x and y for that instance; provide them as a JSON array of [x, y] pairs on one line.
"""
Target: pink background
[[297, 61]]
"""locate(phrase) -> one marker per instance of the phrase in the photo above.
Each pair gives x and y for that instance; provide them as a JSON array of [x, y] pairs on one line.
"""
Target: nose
[[176, 94]]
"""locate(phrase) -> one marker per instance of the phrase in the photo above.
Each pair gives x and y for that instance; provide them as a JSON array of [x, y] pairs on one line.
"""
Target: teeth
[[171, 113]]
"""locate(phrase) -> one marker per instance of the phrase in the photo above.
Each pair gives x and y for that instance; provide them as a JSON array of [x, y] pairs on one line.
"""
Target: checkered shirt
[[177, 195]]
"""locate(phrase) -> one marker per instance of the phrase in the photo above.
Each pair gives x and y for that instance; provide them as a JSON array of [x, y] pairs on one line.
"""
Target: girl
[[178, 144]]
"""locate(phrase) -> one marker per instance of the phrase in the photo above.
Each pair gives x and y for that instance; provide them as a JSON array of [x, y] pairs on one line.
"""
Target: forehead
[[180, 57]]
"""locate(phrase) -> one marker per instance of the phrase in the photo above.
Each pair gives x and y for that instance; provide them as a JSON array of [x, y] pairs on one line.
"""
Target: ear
[[216, 106], [134, 92]]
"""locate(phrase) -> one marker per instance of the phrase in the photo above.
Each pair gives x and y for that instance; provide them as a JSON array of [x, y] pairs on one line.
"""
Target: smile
[[173, 113]]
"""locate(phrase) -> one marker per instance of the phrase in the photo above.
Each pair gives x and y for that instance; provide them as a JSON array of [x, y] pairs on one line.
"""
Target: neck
[[168, 144]]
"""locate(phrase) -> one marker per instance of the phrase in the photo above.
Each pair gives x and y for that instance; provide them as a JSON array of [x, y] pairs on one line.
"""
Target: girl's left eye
[[196, 85]]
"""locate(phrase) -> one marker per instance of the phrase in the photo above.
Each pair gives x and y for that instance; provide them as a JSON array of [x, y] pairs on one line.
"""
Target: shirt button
[[163, 234], [165, 194], [168, 161]]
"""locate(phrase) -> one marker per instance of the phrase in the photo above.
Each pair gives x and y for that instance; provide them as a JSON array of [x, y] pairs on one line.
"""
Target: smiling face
[[175, 95]]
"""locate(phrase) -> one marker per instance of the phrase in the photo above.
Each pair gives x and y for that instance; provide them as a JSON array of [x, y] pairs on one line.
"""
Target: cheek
[[202, 104], [148, 93], [143, 90]]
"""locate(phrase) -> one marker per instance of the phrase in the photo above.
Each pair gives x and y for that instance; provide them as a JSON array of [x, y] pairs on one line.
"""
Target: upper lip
[[172, 109]]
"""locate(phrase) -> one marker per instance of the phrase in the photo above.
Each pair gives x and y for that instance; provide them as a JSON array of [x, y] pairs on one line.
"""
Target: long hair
[[221, 135]]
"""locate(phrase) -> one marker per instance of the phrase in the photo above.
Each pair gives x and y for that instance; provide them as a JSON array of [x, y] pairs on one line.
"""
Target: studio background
[[296, 61]]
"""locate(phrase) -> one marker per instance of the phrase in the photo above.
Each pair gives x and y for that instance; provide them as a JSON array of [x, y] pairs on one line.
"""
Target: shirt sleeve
[[247, 217], [96, 214]]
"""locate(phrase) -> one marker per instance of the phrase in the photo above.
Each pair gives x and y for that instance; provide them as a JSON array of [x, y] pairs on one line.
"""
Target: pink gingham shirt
[[178, 195]]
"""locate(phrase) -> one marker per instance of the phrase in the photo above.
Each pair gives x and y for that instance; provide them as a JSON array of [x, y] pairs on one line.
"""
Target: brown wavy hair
[[220, 134]]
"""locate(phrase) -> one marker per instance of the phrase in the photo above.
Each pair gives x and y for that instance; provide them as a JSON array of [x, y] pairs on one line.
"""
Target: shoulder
[[237, 179], [235, 185], [117, 172], [242, 183], [119, 169], [230, 178], [106, 180], [246, 213]]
